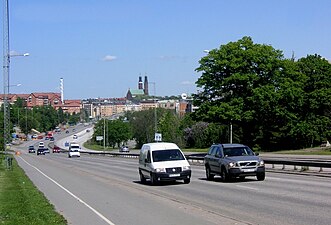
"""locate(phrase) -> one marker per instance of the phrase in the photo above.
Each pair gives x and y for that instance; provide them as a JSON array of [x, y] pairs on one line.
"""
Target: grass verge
[[21, 202]]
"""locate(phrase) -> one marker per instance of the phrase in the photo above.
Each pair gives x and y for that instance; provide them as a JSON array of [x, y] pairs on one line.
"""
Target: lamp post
[[157, 136], [6, 64]]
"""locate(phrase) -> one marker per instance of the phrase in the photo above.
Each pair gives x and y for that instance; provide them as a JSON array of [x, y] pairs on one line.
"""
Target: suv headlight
[[186, 168], [232, 164], [160, 170], [261, 163]]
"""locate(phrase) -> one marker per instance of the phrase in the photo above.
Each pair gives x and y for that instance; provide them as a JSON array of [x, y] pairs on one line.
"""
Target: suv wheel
[[260, 176], [224, 174], [187, 181], [208, 174]]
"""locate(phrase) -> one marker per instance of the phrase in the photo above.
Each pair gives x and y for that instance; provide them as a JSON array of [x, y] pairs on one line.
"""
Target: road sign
[[158, 137], [99, 138]]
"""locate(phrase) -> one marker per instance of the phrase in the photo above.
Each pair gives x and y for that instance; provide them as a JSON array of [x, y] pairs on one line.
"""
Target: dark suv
[[233, 160]]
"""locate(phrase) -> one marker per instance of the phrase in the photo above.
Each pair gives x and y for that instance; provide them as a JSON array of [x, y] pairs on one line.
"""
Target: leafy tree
[[315, 116], [115, 131], [229, 77], [118, 132], [143, 126], [169, 127], [272, 102]]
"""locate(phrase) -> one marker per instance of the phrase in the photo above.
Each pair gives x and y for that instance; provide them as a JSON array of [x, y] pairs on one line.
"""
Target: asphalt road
[[106, 190]]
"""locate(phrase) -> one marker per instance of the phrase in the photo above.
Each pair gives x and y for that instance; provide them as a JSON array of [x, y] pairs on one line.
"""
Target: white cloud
[[109, 58]]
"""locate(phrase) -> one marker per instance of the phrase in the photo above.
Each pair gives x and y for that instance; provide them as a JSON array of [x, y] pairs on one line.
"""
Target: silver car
[[233, 160], [124, 149]]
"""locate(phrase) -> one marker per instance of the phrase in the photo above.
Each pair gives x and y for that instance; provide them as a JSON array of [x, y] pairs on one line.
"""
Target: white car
[[74, 150], [75, 136], [41, 145]]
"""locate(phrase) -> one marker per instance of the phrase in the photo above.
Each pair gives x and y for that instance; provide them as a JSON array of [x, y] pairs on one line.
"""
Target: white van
[[74, 149], [163, 161]]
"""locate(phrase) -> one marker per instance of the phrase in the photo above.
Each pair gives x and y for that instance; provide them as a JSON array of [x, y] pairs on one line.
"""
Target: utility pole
[[104, 133], [6, 62]]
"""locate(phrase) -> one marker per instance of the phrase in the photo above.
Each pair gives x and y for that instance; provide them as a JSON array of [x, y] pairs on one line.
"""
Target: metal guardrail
[[198, 158]]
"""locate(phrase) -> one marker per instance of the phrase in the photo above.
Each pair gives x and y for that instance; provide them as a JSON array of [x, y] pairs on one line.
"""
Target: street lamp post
[[6, 64]]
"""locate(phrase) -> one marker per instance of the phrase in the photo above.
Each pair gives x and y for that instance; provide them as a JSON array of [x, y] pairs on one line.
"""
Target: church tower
[[140, 83], [146, 86]]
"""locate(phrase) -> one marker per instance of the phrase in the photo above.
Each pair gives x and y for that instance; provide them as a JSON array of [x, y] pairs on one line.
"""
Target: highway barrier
[[198, 159]]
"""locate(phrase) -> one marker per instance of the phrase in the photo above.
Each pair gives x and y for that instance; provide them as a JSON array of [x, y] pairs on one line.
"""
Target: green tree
[[229, 77], [169, 124], [118, 132], [315, 120]]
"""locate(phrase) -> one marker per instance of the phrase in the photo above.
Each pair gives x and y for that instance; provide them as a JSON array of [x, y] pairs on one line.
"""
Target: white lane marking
[[251, 188], [70, 193]]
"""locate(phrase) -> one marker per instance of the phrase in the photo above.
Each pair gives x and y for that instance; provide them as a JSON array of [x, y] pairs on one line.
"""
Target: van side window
[[148, 157]]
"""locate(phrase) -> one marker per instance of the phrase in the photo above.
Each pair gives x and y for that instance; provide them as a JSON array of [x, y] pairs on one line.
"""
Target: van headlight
[[160, 170], [186, 168]]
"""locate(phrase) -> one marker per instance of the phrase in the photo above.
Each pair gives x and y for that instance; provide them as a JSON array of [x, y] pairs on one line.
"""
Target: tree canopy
[[273, 102]]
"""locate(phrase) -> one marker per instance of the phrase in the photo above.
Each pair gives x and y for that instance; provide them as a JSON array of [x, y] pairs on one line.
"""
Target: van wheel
[[142, 178], [187, 181], [208, 174], [153, 179]]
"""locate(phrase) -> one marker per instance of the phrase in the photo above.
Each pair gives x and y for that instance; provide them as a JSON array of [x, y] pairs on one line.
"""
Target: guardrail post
[[321, 169], [295, 167], [273, 166], [283, 167], [304, 168]]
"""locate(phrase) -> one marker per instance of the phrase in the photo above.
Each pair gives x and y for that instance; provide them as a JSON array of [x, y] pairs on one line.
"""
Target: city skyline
[[100, 50]]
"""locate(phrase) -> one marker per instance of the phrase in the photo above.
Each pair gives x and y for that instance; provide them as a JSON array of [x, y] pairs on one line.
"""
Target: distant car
[[46, 138], [40, 151], [41, 144], [75, 136], [124, 149], [32, 149], [51, 138], [67, 131], [87, 130], [46, 150], [56, 149]]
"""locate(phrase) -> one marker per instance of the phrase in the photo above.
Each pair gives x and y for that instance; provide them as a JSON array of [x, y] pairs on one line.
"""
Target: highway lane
[[106, 190]]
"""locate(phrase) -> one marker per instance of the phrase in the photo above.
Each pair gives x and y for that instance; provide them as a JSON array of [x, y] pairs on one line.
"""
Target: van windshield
[[74, 148], [167, 155]]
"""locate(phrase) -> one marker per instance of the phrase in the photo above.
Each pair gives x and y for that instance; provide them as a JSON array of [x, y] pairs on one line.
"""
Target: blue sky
[[101, 47]]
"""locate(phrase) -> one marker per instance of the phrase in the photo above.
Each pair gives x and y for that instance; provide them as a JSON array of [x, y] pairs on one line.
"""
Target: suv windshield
[[167, 155], [237, 151]]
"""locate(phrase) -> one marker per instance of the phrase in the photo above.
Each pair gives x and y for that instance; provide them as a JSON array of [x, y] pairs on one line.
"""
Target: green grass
[[21, 202], [98, 147], [308, 151], [195, 150]]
